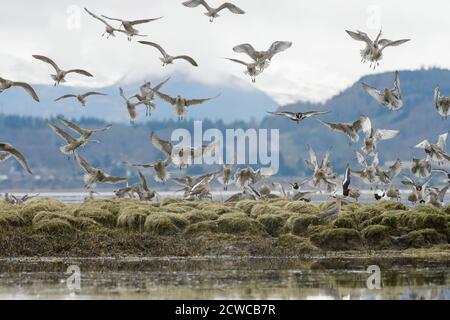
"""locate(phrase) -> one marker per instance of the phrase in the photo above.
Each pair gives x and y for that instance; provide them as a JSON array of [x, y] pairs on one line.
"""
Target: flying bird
[[161, 174], [5, 84], [263, 58], [225, 178], [147, 94], [213, 13], [350, 129], [81, 97], [323, 172], [128, 25], [421, 168], [346, 190], [442, 170], [436, 195], [8, 151], [389, 98], [373, 51], [60, 74], [299, 116], [369, 172], [373, 137], [417, 190], [131, 105], [387, 176], [85, 133], [441, 103], [436, 151], [253, 69], [181, 104], [109, 29], [95, 175], [167, 58]]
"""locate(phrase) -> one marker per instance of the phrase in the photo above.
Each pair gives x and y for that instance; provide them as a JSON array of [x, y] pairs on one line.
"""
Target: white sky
[[322, 61]]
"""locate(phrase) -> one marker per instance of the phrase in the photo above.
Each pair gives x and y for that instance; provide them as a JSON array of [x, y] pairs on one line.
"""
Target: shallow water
[[218, 278]]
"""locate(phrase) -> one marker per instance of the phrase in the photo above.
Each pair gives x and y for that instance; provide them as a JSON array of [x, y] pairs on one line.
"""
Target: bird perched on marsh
[[417, 190]]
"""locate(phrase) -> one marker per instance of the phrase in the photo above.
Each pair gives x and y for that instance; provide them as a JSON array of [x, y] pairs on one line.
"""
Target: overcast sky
[[322, 61]]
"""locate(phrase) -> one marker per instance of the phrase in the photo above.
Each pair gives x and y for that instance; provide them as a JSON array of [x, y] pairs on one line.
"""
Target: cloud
[[322, 61]]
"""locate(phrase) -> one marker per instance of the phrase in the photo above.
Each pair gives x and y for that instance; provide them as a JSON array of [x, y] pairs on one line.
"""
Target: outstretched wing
[[80, 71], [166, 98], [422, 145], [109, 18], [97, 17], [362, 124], [72, 125], [247, 49], [408, 182], [47, 60], [29, 89], [283, 113], [442, 192], [6, 147], [395, 169], [188, 59], [397, 84], [277, 47], [83, 163], [66, 96], [155, 45], [360, 158], [93, 93], [312, 157], [141, 21], [388, 43], [238, 61], [162, 145], [193, 102], [442, 141], [374, 93], [233, 8], [360, 36], [383, 134], [60, 132], [195, 3], [309, 114], [160, 85], [143, 180]]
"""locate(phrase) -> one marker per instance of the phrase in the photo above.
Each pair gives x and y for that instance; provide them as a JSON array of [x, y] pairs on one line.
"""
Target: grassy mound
[[202, 227], [237, 223], [302, 207], [338, 239], [246, 205], [298, 224]]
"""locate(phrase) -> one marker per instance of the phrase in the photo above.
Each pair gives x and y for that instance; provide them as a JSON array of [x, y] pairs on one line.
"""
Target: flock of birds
[[248, 179]]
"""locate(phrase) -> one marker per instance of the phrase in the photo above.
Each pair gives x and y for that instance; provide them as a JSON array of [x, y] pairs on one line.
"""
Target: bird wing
[[143, 180], [442, 141], [374, 93], [397, 84], [141, 21], [113, 180], [6, 147], [166, 97], [4, 156], [395, 169], [93, 93], [283, 113], [122, 94], [383, 134], [66, 96], [233, 8], [72, 126], [80, 71], [193, 102], [60, 132], [360, 36], [280, 187], [188, 59], [442, 192], [441, 170], [47, 60], [422, 145], [160, 85], [277, 47], [312, 156], [83, 163], [247, 49], [29, 89], [309, 114], [388, 43], [109, 18], [195, 3], [408, 182], [362, 124], [360, 158], [238, 61], [347, 178], [162, 145], [155, 45], [97, 17]]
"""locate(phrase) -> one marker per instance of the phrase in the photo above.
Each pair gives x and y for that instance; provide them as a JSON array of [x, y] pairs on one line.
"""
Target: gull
[[131, 106], [5, 84], [167, 58], [225, 178], [436, 195], [368, 174], [386, 176], [128, 25], [213, 12], [181, 104], [442, 104], [263, 58], [421, 168], [146, 94], [85, 133], [8, 151], [72, 143], [373, 51], [389, 98], [81, 97], [161, 174], [442, 170], [373, 137], [323, 172], [299, 116], [182, 156], [95, 175], [417, 190], [108, 28], [60, 74], [346, 190], [253, 69], [436, 151], [350, 129]]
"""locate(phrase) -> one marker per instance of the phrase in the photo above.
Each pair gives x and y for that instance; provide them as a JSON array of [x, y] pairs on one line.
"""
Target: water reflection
[[215, 278]]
